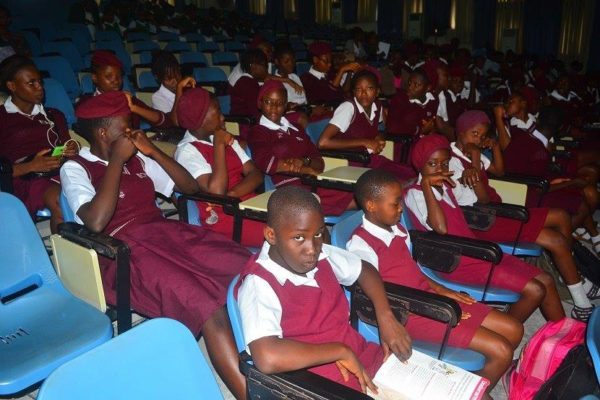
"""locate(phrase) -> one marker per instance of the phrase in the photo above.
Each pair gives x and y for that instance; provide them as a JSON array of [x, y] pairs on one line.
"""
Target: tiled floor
[[531, 326]]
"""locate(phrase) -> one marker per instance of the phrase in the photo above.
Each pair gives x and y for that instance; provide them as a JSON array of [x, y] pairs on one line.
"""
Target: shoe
[[581, 313], [582, 235], [594, 293]]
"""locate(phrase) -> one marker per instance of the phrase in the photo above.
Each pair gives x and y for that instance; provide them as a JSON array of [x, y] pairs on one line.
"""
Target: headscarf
[[192, 108], [106, 58], [469, 119], [425, 147], [104, 105], [268, 87]]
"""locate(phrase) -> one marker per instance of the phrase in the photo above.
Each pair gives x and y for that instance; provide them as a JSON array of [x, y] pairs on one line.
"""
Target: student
[[107, 72], [294, 313], [384, 243], [257, 43], [319, 89], [432, 206], [245, 91], [280, 148], [178, 270], [217, 162], [355, 125], [285, 62], [527, 150], [28, 134], [562, 96], [548, 227], [165, 68]]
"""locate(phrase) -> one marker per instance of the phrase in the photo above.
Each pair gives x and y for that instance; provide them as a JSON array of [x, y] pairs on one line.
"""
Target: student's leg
[[498, 352], [532, 296], [551, 307], [223, 352], [504, 325], [51, 197]]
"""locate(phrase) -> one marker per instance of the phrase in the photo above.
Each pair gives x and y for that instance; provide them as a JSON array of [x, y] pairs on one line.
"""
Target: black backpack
[[587, 263]]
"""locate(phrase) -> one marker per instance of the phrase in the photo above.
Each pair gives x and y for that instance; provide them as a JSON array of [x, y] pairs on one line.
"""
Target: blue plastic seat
[[209, 74], [302, 67], [225, 104], [106, 36], [194, 57], [208, 47], [33, 42], [234, 46], [138, 36], [167, 36], [147, 80], [57, 97], [81, 37], [144, 45], [68, 50], [42, 325], [158, 359], [522, 249], [195, 37], [178, 47], [59, 68], [224, 58], [315, 129], [592, 339]]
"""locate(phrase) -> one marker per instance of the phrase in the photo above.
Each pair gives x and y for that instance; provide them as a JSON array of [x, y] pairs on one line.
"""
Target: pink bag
[[542, 356]]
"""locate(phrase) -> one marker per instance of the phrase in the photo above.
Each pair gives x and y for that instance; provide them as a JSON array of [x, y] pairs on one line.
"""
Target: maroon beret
[[106, 58], [192, 108], [425, 147], [104, 105]]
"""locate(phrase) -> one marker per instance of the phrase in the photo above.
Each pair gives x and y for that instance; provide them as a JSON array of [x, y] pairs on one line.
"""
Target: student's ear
[[11, 86], [270, 235], [370, 206], [94, 78]]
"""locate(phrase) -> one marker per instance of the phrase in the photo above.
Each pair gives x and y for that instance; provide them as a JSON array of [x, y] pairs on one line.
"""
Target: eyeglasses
[[269, 102]]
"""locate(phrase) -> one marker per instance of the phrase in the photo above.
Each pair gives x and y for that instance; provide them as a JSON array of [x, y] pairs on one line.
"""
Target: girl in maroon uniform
[[245, 91]]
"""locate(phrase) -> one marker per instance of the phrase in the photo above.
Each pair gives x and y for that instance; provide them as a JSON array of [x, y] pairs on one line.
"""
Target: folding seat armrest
[[6, 171], [358, 155], [398, 138], [300, 384], [442, 252], [112, 248], [540, 183], [511, 211], [240, 119], [229, 203]]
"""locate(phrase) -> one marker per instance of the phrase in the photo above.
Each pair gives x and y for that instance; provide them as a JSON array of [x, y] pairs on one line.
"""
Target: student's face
[[456, 84], [27, 86], [115, 129], [258, 71], [365, 92], [273, 105], [515, 105], [438, 162], [442, 78], [297, 241], [108, 79], [286, 63], [417, 87], [214, 119], [322, 63], [171, 79], [387, 209], [563, 87], [474, 135]]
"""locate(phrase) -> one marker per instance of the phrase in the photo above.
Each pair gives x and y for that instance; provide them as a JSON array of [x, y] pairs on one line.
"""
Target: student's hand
[[470, 177], [44, 162], [557, 181], [223, 138], [489, 143], [308, 171], [394, 338], [129, 97], [499, 111], [141, 141], [351, 365], [294, 165], [438, 179], [376, 144], [461, 297], [71, 149], [297, 88], [580, 182], [427, 125], [188, 81], [319, 110], [121, 150], [472, 151], [350, 67]]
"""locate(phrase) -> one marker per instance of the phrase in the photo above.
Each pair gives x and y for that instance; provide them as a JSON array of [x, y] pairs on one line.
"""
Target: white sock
[[582, 233], [587, 285], [596, 239], [579, 295]]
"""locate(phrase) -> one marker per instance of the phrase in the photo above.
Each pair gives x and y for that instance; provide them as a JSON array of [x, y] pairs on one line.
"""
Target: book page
[[426, 378]]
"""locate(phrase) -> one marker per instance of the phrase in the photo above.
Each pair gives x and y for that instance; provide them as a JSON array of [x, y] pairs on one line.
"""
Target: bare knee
[[502, 351], [536, 288]]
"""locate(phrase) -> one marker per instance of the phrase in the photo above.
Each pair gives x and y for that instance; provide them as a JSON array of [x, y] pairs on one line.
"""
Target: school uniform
[[455, 106], [292, 95], [271, 142], [528, 154], [178, 270], [23, 135], [504, 229], [389, 253], [243, 96], [197, 157], [511, 273], [571, 105], [313, 309], [319, 89], [163, 100], [354, 123]]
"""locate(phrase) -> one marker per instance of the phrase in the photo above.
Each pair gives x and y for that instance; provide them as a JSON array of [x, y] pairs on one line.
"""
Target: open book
[[426, 378]]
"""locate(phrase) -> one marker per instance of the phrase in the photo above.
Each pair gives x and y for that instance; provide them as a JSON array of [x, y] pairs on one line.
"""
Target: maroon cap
[[469, 119], [268, 87], [192, 108], [317, 49], [425, 147], [104, 105], [106, 58]]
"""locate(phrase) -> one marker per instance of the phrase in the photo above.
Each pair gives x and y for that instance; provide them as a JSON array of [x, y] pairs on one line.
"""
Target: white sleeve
[[260, 310], [442, 110], [192, 160], [415, 201], [241, 153], [161, 103], [346, 266], [357, 245], [163, 183], [343, 116], [77, 186], [485, 161]]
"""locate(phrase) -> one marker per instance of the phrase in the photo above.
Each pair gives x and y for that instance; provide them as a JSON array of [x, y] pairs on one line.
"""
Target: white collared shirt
[[415, 201], [428, 97], [344, 114], [572, 95], [442, 110], [163, 99], [358, 246], [316, 74], [292, 96], [526, 125], [11, 108], [194, 162], [284, 125], [465, 196], [466, 92], [78, 188], [236, 73], [260, 307]]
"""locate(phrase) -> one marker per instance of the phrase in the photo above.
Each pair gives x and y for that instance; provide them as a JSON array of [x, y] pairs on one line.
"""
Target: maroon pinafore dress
[[506, 229], [252, 230], [511, 273], [361, 127], [319, 315], [178, 270], [396, 265]]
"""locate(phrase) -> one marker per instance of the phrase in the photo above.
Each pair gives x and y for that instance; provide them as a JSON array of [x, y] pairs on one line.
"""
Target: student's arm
[[42, 162], [394, 338], [351, 67], [154, 117], [435, 215], [327, 141], [97, 213], [218, 180], [471, 176], [461, 297], [183, 180], [184, 83], [297, 88], [497, 165], [503, 135], [252, 180]]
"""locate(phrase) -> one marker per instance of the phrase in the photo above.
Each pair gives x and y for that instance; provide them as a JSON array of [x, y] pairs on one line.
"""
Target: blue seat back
[[138, 36], [158, 359], [86, 84], [68, 51], [144, 45], [147, 80], [33, 42], [57, 97], [234, 316], [342, 231], [81, 37], [208, 46], [195, 37], [234, 46], [302, 67], [209, 74], [67, 212], [59, 68], [224, 57], [315, 129], [225, 104], [177, 46], [193, 57], [167, 36], [592, 339], [105, 36]]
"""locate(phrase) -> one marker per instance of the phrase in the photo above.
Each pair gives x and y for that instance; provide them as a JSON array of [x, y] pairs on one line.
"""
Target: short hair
[[283, 49], [86, 127], [421, 73], [289, 202], [364, 74], [163, 64], [10, 66], [371, 184], [550, 118], [252, 56]]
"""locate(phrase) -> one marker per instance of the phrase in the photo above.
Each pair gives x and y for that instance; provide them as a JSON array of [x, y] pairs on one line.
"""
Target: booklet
[[426, 378]]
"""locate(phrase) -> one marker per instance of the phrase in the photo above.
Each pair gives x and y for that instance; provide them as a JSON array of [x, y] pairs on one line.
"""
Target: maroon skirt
[[31, 191], [568, 199], [506, 230]]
